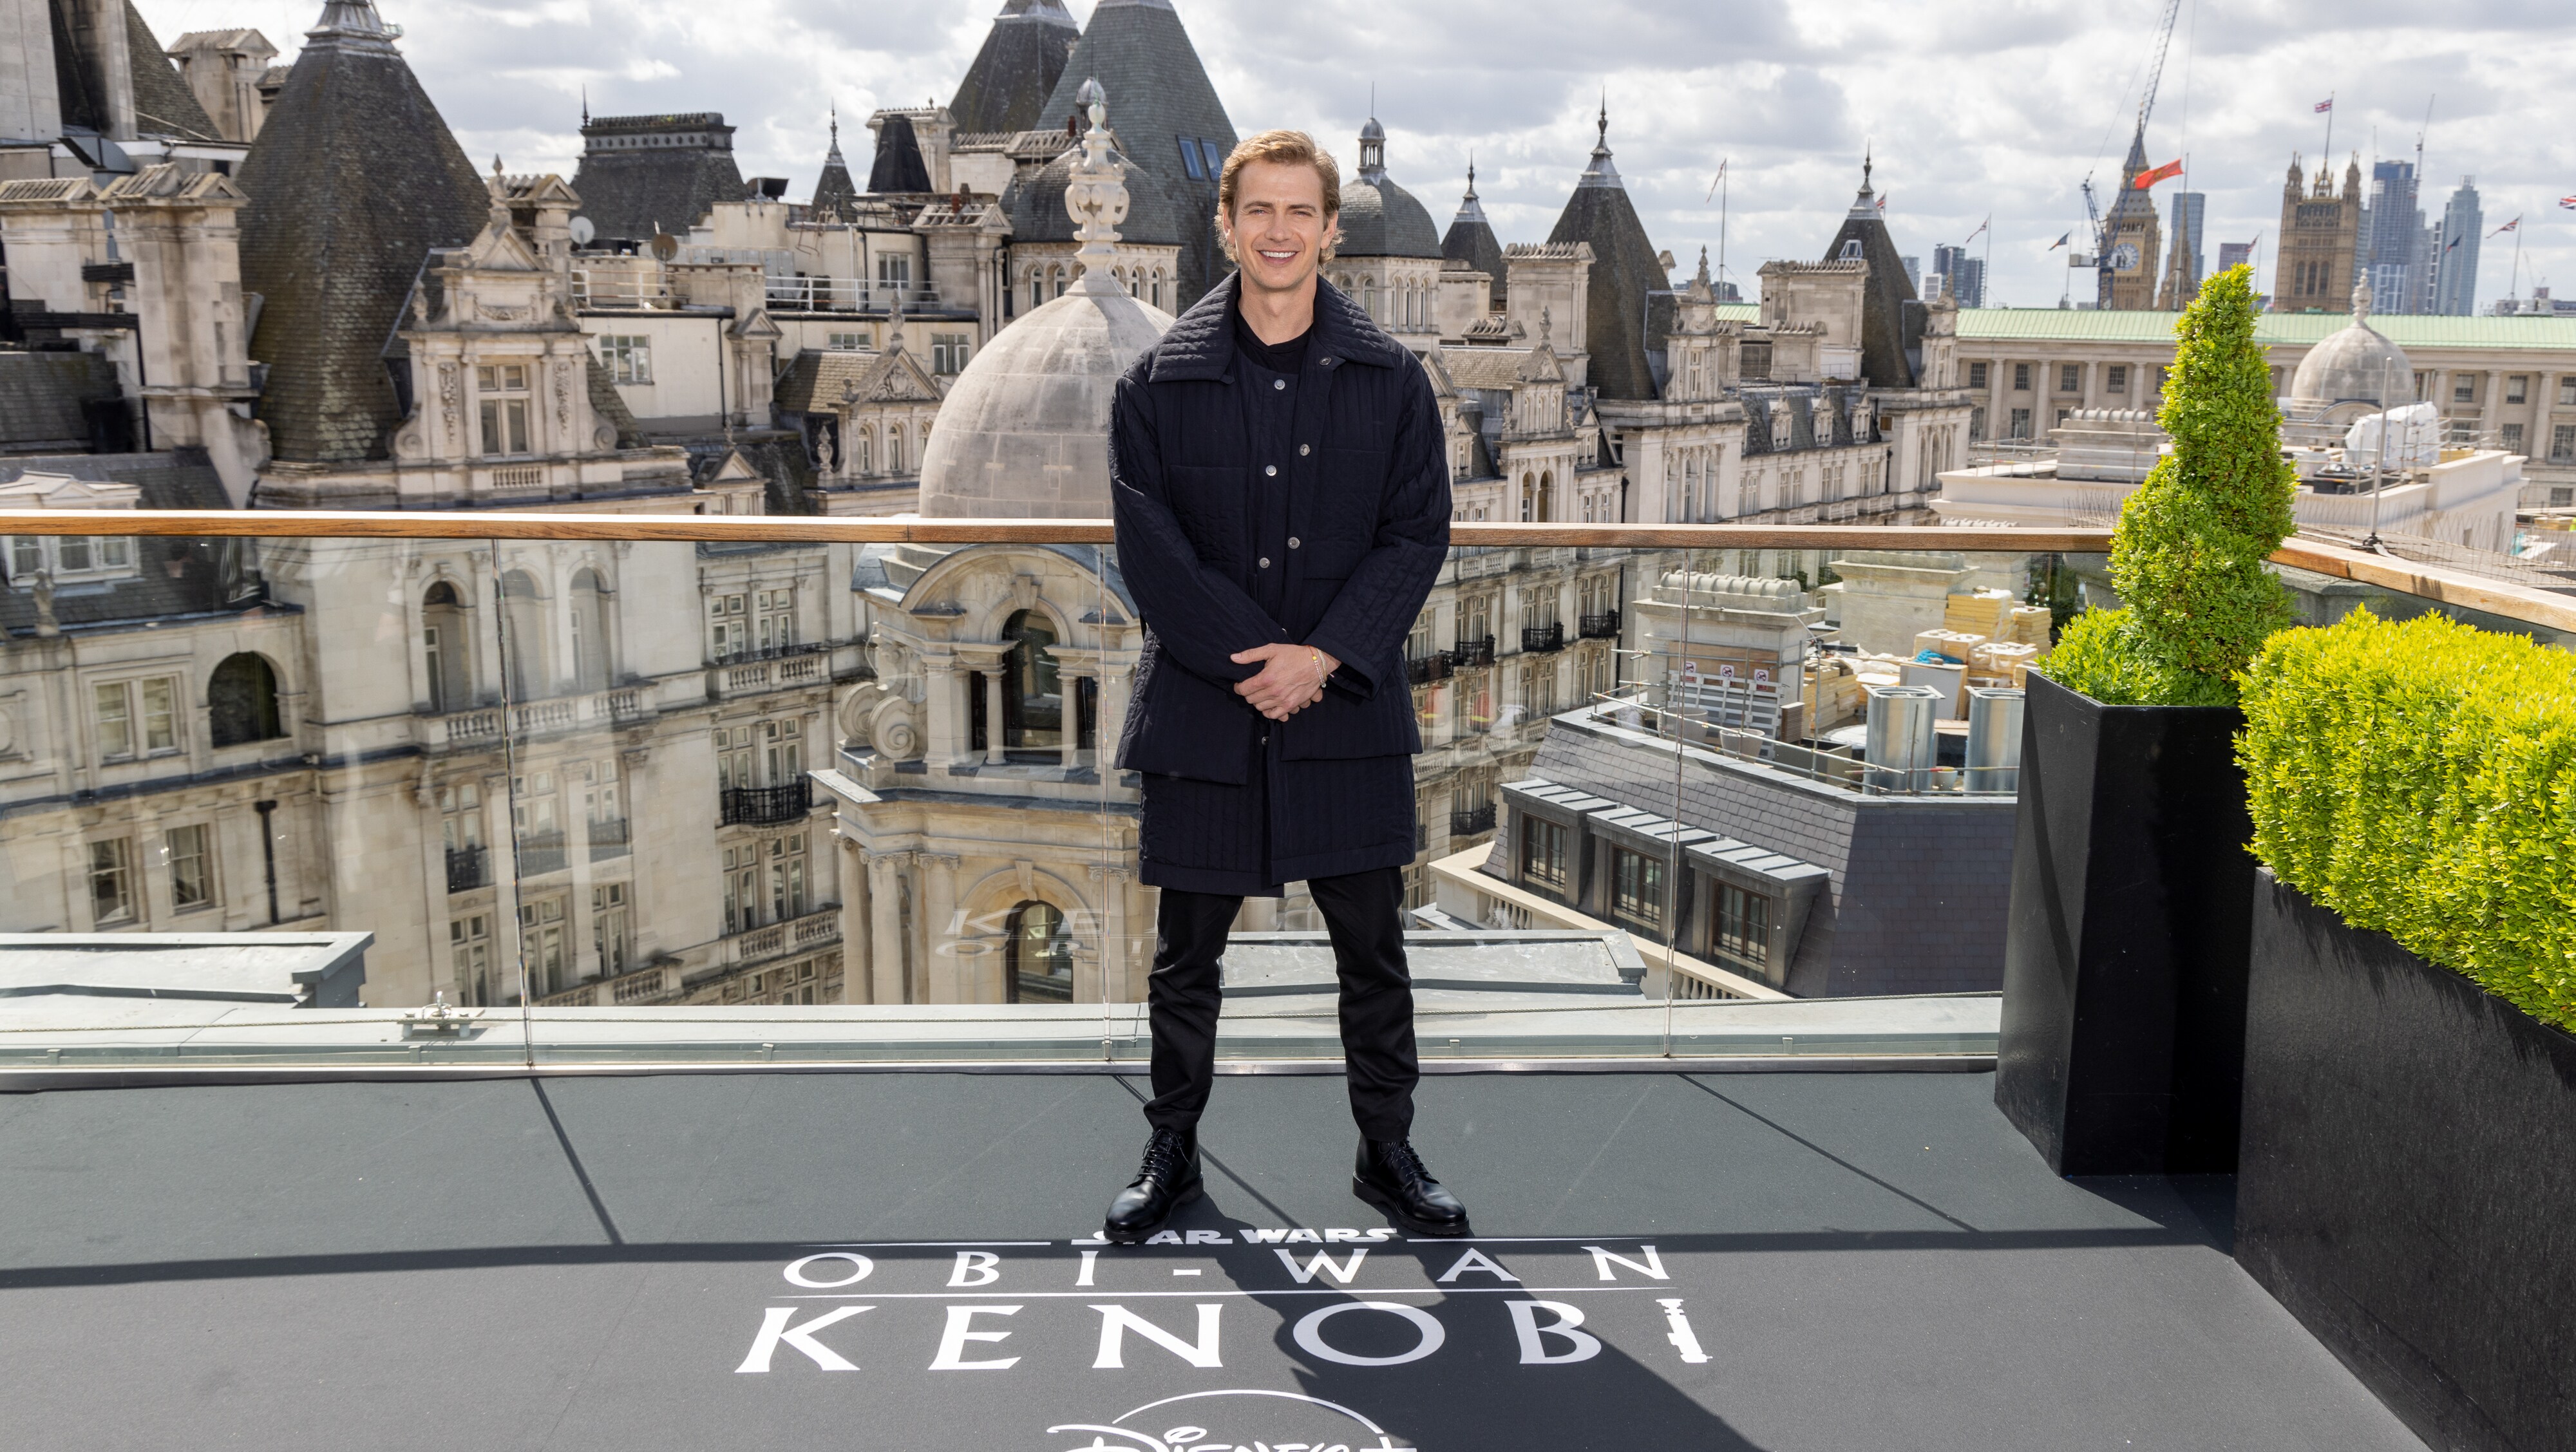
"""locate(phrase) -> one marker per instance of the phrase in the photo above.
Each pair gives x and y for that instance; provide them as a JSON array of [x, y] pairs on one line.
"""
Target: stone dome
[[2356, 365], [1024, 432], [1381, 219]]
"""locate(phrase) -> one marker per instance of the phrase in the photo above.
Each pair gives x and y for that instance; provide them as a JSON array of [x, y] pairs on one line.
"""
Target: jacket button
[[1265, 562], [1270, 470], [1292, 541], [1278, 383], [1304, 449]]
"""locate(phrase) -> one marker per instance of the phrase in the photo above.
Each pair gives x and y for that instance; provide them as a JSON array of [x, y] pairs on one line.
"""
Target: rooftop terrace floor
[[1864, 1260]]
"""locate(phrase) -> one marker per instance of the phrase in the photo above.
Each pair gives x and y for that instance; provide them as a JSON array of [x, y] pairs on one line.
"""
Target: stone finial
[[1546, 324], [2361, 300], [46, 625], [1096, 198]]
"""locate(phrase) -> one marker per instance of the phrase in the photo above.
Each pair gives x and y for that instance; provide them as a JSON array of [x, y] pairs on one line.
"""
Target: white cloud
[[1970, 108]]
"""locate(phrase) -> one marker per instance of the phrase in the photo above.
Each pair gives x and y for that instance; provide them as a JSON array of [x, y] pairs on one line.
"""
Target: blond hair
[[1282, 148]]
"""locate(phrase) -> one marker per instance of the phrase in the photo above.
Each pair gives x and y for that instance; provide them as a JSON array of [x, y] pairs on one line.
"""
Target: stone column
[[945, 734], [1069, 720], [994, 735], [857, 984], [938, 926], [885, 927]]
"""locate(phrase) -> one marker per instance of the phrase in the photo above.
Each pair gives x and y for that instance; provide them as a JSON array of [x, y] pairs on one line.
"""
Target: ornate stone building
[[2320, 228]]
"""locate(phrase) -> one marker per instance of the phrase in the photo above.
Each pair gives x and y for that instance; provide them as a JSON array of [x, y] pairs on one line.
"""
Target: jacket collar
[[1200, 344]]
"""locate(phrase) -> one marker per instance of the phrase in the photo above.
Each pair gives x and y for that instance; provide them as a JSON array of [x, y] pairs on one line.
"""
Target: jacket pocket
[[1340, 727], [1182, 724]]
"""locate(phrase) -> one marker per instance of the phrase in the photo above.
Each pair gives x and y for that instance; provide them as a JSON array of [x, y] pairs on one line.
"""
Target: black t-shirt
[[1288, 357]]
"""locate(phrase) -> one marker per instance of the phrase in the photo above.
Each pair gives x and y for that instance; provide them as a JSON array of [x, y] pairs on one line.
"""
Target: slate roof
[[898, 166], [1381, 219], [835, 195], [176, 575], [1884, 340], [1624, 271], [353, 180], [1012, 76], [817, 379], [627, 193], [163, 104], [162, 101], [1471, 240], [1034, 201], [1158, 93], [44, 398]]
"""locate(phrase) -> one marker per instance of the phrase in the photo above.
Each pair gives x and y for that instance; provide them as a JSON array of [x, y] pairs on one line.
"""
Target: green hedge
[[2420, 779]]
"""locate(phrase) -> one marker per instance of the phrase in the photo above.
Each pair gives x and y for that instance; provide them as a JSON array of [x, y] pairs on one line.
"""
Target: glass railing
[[595, 791]]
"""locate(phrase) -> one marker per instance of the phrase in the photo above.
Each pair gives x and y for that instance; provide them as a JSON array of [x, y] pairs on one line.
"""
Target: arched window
[[589, 632], [863, 458], [1057, 273], [894, 448], [241, 701], [1032, 691], [443, 647], [1037, 288], [1037, 962], [1546, 497], [1158, 287], [523, 635]]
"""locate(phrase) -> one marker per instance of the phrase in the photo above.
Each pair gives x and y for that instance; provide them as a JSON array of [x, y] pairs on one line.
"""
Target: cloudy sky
[[1974, 108]]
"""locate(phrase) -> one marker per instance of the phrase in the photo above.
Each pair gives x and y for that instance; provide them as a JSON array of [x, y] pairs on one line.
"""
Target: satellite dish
[[665, 246], [583, 231]]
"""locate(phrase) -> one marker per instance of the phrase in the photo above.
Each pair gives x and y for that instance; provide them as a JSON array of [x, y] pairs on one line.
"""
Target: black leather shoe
[[1391, 1177], [1168, 1179]]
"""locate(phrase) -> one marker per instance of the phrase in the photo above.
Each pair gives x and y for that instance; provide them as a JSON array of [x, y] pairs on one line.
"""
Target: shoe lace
[[1404, 1164], [1165, 1154]]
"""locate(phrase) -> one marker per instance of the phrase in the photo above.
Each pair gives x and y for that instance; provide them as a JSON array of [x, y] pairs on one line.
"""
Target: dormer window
[[1851, 250], [69, 557], [503, 388]]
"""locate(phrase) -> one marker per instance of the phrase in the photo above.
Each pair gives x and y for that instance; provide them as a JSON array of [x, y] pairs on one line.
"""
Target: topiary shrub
[[2187, 556], [2419, 779]]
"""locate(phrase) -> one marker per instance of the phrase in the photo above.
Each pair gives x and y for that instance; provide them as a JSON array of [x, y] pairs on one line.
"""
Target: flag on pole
[[1981, 226], [2513, 226], [2062, 241], [1712, 185], [1882, 201], [2456, 241], [2325, 105], [2568, 202], [2150, 177]]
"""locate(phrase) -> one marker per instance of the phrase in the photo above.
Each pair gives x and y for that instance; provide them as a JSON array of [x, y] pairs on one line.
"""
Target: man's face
[[1279, 225]]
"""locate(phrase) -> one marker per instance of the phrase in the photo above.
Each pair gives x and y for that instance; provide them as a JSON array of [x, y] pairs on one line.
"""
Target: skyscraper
[[1963, 276], [2189, 210], [2392, 240], [1913, 272], [2455, 262], [2234, 254]]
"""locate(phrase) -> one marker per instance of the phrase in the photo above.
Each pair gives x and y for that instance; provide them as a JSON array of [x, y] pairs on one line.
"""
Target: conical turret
[[1171, 126], [1017, 70], [835, 195], [1471, 240], [1624, 272], [354, 179], [1886, 352]]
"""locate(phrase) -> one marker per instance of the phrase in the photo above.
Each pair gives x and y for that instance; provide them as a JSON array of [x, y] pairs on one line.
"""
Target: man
[[1282, 504]]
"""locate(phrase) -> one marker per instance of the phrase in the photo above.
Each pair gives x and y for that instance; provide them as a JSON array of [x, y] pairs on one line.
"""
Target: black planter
[[2124, 956], [2409, 1170]]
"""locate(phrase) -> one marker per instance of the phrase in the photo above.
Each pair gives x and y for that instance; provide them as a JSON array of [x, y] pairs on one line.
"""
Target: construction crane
[[2093, 212]]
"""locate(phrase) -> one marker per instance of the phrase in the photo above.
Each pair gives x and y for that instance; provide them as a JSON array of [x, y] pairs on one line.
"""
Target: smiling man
[[1282, 504]]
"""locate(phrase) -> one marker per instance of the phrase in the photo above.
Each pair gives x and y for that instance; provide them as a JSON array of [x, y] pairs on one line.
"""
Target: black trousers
[[1364, 914]]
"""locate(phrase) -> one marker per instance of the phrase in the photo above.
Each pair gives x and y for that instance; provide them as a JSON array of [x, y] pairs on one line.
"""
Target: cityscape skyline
[[1791, 103]]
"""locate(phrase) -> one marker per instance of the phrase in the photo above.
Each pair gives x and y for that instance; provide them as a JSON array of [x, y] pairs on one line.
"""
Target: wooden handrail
[[2452, 587], [812, 529], [2456, 588]]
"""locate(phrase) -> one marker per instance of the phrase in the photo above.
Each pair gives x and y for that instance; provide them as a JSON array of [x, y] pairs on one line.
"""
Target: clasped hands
[[1292, 678]]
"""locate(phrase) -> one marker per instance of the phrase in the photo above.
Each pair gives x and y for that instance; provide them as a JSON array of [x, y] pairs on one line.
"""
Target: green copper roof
[[2294, 330]]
